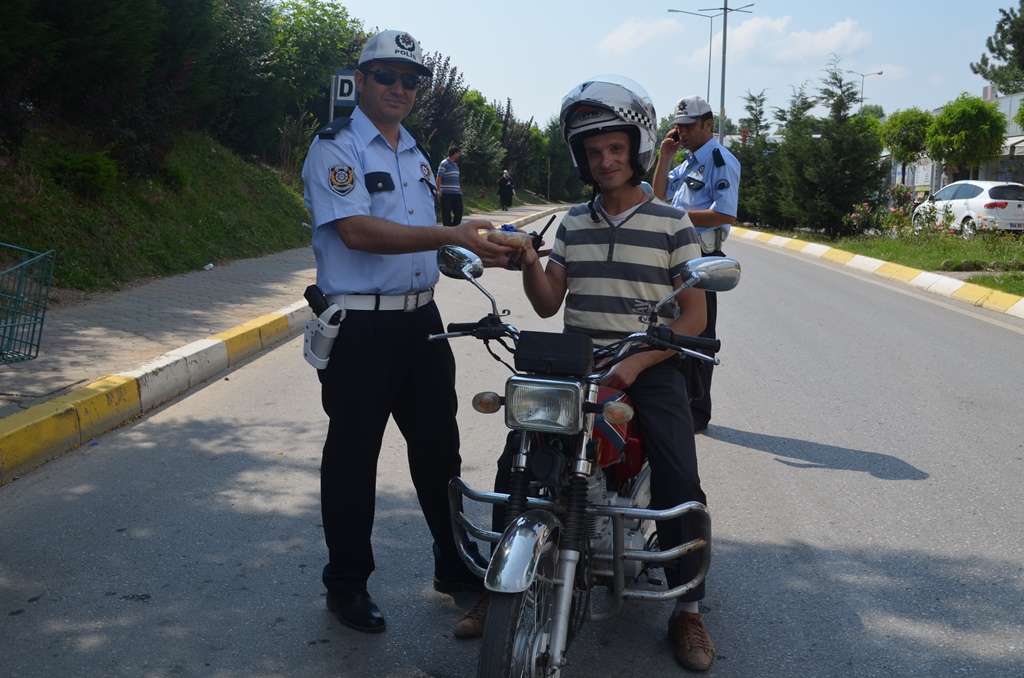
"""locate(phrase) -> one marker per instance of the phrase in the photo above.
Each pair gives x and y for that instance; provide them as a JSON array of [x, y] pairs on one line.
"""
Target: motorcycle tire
[[517, 631]]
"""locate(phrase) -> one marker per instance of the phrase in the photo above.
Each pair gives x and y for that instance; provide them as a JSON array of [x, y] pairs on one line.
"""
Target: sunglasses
[[388, 78]]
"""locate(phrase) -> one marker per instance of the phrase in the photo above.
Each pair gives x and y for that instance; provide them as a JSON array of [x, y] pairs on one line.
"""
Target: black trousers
[[451, 209], [382, 366], [663, 418], [701, 407]]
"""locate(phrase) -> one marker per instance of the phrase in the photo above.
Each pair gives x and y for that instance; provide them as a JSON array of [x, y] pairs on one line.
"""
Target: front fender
[[514, 561]]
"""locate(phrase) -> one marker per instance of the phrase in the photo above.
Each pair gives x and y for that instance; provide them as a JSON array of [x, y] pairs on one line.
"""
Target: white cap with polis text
[[394, 46], [690, 109]]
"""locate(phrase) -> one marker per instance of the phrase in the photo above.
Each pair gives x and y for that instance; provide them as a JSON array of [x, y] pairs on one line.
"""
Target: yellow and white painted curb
[[48, 430], [936, 283]]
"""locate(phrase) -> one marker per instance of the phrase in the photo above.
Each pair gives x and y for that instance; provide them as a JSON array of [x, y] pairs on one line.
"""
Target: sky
[[535, 52]]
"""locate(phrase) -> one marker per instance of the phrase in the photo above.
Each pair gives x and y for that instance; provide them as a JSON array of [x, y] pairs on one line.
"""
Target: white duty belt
[[382, 302]]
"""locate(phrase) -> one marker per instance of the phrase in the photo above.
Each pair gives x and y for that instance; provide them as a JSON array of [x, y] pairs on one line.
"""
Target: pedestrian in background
[[706, 185], [370, 191], [506, 189], [450, 189]]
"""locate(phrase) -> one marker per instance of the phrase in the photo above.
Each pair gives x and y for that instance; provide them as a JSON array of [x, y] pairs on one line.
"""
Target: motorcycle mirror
[[716, 274], [459, 263]]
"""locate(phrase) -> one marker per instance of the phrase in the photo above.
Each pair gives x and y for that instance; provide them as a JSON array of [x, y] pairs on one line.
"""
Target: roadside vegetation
[[176, 139]]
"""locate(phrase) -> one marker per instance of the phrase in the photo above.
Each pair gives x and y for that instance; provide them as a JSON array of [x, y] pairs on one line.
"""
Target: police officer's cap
[[394, 46]]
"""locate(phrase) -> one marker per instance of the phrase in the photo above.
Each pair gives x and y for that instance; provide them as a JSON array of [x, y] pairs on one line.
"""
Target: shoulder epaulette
[[430, 163], [717, 155], [330, 130]]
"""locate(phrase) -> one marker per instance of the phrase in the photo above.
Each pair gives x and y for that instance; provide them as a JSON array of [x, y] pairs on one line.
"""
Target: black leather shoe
[[357, 611]]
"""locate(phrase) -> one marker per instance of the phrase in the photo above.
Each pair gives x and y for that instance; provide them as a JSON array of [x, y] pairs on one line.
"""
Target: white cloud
[[758, 40], [626, 38]]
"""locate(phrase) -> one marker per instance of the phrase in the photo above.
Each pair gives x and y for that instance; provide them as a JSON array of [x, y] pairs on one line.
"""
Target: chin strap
[[594, 192]]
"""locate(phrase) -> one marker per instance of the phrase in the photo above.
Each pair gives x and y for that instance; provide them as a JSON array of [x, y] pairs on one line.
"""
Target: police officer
[[370, 190], [706, 185]]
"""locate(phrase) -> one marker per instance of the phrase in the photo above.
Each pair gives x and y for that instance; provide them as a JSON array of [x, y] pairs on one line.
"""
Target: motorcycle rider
[[613, 258]]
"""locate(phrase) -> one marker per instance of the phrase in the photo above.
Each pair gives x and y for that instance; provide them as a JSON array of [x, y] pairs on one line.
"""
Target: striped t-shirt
[[615, 274], [448, 173]]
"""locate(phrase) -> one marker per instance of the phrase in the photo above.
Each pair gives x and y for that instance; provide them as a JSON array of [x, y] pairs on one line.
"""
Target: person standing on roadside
[[370, 191], [450, 189], [506, 190], [706, 185]]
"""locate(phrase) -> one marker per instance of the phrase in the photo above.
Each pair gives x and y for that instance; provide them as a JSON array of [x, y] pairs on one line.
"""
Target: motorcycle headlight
[[544, 405]]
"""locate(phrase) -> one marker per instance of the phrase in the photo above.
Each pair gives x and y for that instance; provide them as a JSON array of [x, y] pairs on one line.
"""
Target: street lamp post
[[725, 9], [862, 76], [711, 35]]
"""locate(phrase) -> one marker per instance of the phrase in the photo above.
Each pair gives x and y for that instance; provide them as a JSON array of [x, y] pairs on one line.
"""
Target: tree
[[439, 117], [758, 198], [313, 39], [874, 110], [966, 133], [563, 179], [481, 145], [253, 102], [515, 139], [823, 175], [904, 133], [1006, 69]]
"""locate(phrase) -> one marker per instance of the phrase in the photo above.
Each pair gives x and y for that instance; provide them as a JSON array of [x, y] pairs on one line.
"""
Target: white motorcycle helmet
[[610, 103]]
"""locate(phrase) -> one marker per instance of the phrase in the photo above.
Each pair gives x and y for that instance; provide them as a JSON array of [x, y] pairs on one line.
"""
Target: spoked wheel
[[517, 634]]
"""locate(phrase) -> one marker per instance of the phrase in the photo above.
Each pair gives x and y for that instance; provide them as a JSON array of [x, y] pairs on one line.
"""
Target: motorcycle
[[579, 531]]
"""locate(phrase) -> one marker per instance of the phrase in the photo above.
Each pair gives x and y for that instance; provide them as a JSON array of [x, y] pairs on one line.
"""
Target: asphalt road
[[863, 470]]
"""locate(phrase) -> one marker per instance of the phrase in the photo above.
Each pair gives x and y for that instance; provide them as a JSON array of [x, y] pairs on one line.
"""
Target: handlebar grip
[[697, 343], [462, 327], [665, 334]]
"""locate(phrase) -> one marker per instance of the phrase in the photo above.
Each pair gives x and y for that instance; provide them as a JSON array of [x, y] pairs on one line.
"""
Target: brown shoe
[[472, 623], [694, 649]]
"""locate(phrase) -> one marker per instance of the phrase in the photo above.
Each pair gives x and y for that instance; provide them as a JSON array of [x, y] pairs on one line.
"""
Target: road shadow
[[810, 455]]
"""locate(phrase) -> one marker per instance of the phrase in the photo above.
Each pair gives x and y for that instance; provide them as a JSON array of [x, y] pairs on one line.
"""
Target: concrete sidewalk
[[102, 364]]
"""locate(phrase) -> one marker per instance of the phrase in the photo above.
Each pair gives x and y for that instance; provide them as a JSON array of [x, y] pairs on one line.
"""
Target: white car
[[974, 205]]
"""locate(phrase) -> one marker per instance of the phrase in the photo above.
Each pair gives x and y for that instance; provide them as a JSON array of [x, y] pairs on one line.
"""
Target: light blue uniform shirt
[[358, 173], [698, 184]]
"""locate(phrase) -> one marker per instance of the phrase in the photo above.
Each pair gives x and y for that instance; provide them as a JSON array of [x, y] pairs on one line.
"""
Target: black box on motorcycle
[[565, 355]]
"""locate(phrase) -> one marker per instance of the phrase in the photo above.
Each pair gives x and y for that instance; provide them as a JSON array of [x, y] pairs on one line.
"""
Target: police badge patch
[[722, 185], [342, 179], [425, 170]]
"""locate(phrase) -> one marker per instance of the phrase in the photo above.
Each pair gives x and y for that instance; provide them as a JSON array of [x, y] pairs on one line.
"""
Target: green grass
[[209, 207], [997, 256]]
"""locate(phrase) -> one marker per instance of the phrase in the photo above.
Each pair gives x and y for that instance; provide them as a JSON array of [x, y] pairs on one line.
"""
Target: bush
[[90, 175], [176, 178]]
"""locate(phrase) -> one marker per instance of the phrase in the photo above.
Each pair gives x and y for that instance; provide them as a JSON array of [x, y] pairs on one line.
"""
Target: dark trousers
[[382, 365], [659, 399], [701, 407], [451, 209]]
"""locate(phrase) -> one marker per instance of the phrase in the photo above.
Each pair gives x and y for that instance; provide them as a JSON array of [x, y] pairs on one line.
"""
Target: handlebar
[[660, 337]]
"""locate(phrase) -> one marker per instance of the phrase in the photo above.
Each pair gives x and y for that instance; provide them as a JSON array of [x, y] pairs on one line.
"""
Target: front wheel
[[517, 634]]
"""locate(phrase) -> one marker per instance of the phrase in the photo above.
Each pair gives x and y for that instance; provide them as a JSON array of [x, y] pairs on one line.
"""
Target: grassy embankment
[[211, 207]]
